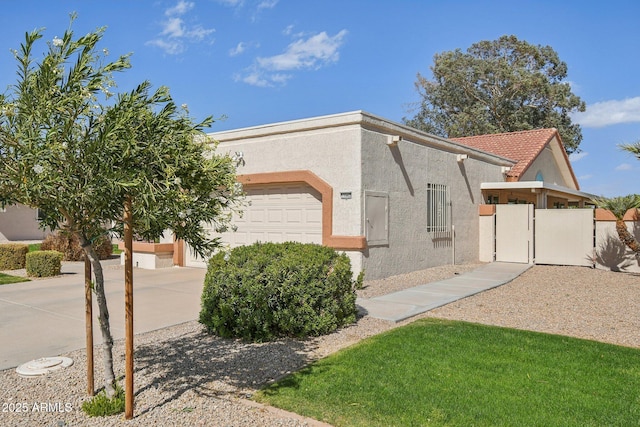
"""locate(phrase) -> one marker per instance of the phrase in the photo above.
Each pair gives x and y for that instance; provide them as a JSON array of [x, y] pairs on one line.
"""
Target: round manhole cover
[[43, 366]]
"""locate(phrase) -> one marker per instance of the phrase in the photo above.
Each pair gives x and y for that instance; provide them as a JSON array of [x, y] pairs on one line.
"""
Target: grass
[[445, 373], [6, 279], [34, 247], [101, 406]]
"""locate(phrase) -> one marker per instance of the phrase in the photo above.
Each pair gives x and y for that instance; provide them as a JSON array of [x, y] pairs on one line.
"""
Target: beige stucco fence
[[583, 237]]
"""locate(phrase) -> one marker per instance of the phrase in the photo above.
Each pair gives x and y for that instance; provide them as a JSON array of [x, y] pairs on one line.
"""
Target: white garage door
[[275, 213]]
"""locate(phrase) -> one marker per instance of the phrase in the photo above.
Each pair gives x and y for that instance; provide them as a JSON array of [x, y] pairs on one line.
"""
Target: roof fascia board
[[364, 119]]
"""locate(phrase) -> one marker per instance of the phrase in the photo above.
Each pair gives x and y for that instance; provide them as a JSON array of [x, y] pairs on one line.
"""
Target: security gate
[[544, 236], [514, 233], [564, 237]]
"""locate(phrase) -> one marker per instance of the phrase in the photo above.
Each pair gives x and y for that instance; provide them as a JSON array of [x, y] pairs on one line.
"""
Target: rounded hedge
[[266, 291], [12, 256], [43, 263]]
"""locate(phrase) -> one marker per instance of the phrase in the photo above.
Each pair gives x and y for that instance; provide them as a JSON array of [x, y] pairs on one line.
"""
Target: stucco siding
[[545, 164], [20, 222], [404, 172], [332, 154]]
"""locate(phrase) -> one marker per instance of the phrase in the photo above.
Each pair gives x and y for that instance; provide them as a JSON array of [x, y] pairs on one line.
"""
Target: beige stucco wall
[[546, 164], [329, 147], [486, 238], [350, 152], [611, 253], [20, 222], [404, 172]]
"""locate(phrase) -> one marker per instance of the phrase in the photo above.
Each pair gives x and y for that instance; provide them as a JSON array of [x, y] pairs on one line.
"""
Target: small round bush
[[69, 245], [43, 263], [13, 256], [266, 291]]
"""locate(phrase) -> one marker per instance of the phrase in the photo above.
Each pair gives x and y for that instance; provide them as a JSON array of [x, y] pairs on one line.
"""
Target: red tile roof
[[523, 147]]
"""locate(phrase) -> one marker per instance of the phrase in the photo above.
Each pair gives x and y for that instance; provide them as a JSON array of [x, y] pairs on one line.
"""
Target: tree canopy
[[504, 85], [74, 151]]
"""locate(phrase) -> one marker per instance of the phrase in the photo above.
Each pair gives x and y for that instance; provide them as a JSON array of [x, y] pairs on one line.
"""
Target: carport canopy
[[539, 193]]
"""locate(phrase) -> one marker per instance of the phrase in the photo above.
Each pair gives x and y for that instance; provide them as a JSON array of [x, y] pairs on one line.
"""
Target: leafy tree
[[619, 206], [70, 149], [504, 85]]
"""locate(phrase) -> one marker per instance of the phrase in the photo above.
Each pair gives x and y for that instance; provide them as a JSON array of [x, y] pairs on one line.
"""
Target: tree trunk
[[626, 236], [103, 317]]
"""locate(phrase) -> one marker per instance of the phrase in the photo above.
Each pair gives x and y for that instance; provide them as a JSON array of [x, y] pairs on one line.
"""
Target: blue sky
[[262, 61]]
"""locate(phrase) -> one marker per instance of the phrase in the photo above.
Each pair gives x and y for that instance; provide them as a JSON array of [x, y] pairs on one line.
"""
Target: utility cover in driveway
[[43, 366]]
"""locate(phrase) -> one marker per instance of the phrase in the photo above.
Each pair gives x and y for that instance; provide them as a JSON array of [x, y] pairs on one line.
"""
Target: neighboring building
[[395, 199], [542, 175], [20, 222]]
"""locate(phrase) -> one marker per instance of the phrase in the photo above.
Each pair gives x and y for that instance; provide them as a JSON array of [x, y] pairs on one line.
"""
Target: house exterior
[[393, 198], [542, 175], [20, 223]]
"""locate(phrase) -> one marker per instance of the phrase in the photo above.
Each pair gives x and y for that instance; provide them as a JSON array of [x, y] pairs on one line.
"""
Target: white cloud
[[608, 113], [267, 4], [574, 157], [584, 177], [287, 31], [176, 33], [311, 53], [179, 9], [240, 48], [173, 27], [624, 167], [170, 47], [231, 3]]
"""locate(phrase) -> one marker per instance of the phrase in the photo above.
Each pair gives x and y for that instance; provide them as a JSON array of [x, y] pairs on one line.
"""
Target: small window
[[438, 208], [493, 199]]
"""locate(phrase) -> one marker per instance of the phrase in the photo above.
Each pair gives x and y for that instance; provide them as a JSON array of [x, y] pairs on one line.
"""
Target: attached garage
[[274, 213]]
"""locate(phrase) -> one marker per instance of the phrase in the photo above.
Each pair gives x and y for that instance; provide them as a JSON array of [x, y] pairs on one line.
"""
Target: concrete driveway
[[45, 318]]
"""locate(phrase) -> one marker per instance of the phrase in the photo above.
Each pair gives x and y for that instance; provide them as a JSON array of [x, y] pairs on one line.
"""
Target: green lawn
[[5, 279], [443, 373]]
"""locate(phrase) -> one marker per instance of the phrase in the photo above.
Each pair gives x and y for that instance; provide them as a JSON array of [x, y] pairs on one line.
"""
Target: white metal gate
[[514, 233], [544, 236], [564, 236]]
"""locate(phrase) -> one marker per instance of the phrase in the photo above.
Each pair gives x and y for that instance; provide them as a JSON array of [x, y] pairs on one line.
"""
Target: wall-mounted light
[[505, 169], [238, 157], [393, 140], [462, 157]]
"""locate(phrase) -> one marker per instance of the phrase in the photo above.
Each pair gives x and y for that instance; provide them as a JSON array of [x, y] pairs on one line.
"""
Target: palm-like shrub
[[619, 206]]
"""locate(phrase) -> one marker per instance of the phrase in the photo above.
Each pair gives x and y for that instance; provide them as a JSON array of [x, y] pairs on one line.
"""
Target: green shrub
[[69, 245], [101, 406], [43, 263], [270, 290], [12, 256]]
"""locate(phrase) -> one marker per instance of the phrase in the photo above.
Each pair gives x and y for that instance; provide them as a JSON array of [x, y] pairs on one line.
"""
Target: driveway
[[46, 317]]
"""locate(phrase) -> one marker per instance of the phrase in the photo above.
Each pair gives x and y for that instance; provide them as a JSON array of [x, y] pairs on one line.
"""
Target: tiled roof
[[523, 147]]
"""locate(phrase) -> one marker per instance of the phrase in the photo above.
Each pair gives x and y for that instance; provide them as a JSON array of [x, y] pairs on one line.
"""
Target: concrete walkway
[[407, 303]]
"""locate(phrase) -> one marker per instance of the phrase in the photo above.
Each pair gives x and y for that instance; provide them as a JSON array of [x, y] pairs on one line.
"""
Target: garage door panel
[[313, 217], [275, 213]]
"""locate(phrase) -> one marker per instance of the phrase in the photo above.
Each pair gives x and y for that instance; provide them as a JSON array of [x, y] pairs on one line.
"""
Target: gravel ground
[[185, 377]]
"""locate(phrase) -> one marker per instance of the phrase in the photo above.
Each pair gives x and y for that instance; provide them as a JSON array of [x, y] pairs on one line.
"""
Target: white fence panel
[[564, 237], [514, 233]]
